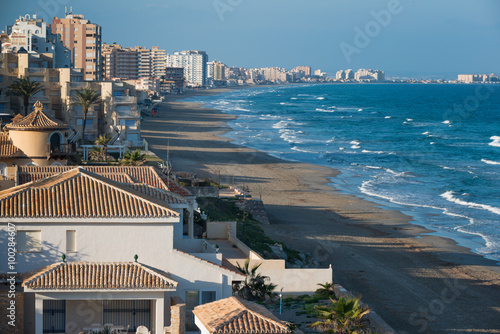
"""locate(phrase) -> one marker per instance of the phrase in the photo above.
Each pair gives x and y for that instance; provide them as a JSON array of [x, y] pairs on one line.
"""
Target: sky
[[416, 38]]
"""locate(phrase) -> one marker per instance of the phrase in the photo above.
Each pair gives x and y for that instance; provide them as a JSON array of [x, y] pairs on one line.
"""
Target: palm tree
[[254, 287], [85, 97], [102, 144], [133, 159], [326, 290], [343, 316], [25, 88]]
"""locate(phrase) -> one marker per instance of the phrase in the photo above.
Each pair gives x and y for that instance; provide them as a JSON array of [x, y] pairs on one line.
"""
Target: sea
[[431, 151]]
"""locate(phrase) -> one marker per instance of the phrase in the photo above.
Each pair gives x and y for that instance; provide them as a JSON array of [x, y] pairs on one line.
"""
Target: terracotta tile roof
[[163, 195], [97, 276], [37, 120], [7, 149], [139, 174], [80, 193], [237, 316]]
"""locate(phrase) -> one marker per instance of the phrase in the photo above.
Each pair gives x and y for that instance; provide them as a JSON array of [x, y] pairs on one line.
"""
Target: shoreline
[[468, 241], [395, 264]]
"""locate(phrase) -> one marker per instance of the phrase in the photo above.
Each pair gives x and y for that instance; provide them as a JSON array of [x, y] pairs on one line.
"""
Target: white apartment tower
[[194, 64], [32, 35]]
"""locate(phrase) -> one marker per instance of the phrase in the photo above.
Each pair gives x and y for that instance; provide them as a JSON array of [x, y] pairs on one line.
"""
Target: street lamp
[[281, 297]]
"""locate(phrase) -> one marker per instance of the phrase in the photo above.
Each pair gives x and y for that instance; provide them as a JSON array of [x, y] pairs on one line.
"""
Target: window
[[54, 316], [70, 241], [87, 123], [207, 297], [129, 312], [29, 241], [54, 79], [3, 167], [192, 300]]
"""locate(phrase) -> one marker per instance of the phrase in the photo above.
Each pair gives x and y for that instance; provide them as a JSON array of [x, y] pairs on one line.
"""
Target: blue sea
[[430, 151]]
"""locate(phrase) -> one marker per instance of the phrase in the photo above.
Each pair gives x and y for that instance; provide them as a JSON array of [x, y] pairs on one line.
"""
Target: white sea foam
[[445, 167], [489, 162], [409, 119], [355, 146], [388, 117], [320, 98], [360, 109], [355, 142], [426, 133], [495, 142], [446, 122], [377, 152], [293, 98], [449, 196], [280, 125]]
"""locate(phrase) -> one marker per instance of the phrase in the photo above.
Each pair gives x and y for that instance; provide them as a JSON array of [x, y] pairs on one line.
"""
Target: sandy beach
[[418, 283]]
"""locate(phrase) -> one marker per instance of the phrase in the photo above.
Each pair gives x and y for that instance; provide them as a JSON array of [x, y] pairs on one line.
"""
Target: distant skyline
[[403, 38]]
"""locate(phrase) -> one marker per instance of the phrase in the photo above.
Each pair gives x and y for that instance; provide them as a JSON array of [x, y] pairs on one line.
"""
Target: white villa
[[115, 245]]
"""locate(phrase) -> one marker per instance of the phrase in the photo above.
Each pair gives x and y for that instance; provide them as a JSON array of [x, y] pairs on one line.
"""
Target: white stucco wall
[[99, 242], [298, 281]]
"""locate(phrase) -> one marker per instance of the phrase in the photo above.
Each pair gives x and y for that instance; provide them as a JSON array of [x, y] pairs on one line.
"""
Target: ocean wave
[[320, 98], [446, 122], [388, 117], [489, 162], [449, 196], [269, 116], [377, 152], [495, 142]]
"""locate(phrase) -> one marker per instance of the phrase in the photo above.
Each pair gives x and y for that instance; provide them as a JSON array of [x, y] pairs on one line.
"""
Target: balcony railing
[[123, 99], [61, 149], [43, 99]]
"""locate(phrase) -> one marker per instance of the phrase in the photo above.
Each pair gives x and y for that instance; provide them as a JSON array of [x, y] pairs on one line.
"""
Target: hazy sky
[[402, 37]]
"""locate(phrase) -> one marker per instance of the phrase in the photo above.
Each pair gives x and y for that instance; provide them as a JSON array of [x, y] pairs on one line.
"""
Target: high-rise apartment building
[[83, 39], [369, 75], [305, 69], [144, 58], [194, 64], [120, 62], [158, 58]]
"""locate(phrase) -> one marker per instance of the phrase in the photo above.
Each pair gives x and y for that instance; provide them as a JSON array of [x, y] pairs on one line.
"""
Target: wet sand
[[417, 282]]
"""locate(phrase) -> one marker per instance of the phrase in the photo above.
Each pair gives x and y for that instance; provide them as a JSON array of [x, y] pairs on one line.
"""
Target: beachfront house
[[78, 234]]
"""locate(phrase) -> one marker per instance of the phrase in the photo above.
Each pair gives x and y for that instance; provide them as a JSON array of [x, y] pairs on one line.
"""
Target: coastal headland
[[417, 282]]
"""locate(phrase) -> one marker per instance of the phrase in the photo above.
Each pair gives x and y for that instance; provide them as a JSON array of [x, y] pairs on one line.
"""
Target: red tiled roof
[[79, 193], [238, 316], [37, 120], [167, 196], [139, 174], [7, 149], [97, 276]]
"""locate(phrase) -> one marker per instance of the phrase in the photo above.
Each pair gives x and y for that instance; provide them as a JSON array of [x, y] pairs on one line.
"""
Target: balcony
[[44, 99], [123, 99], [37, 69], [61, 150]]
